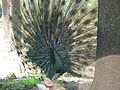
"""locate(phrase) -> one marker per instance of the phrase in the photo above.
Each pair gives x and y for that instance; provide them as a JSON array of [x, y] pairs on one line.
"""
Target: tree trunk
[[7, 26], [8, 56], [108, 34], [107, 69], [9, 7]]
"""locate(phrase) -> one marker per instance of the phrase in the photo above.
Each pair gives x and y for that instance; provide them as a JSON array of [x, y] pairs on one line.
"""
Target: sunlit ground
[[8, 60]]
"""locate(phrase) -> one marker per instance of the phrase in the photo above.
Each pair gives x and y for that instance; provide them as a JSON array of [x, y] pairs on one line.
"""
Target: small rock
[[42, 87], [11, 76]]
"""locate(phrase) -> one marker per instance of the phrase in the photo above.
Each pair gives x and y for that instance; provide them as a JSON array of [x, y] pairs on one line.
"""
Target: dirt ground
[[72, 83]]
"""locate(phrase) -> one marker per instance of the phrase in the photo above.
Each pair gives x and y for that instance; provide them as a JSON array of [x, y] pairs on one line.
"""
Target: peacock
[[52, 34]]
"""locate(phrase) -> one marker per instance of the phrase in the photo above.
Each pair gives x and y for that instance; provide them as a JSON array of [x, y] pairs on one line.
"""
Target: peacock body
[[52, 34]]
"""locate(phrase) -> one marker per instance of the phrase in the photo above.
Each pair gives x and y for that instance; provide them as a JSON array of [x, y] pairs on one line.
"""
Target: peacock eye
[[83, 10], [87, 22]]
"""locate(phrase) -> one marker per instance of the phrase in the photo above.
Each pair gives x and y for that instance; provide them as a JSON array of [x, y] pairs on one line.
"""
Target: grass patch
[[20, 83], [87, 83], [59, 82]]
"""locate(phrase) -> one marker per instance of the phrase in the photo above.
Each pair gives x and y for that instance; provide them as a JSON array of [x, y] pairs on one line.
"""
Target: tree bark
[[7, 25], [8, 8], [8, 56], [107, 70], [108, 34]]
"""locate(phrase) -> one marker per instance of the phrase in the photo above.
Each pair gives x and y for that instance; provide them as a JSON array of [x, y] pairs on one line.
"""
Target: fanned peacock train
[[57, 35]]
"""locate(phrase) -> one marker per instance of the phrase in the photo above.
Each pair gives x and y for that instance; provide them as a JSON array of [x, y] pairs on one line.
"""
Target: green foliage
[[52, 32], [59, 82], [22, 83], [31, 82]]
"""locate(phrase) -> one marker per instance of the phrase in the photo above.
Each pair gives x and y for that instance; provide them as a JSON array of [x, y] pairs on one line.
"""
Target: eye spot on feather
[[86, 22], [83, 10]]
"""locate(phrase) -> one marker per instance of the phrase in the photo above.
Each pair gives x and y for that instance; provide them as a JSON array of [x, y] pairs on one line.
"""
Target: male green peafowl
[[52, 33]]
